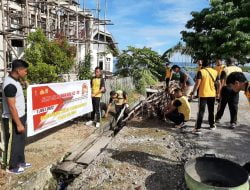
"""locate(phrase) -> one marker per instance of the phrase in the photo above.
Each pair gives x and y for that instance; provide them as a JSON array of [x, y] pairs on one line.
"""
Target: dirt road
[[150, 154]]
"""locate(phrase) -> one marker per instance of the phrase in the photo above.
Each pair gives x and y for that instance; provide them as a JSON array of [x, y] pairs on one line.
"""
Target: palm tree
[[178, 48]]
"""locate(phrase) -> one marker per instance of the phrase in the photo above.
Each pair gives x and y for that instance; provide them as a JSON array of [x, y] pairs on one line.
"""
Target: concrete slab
[[224, 142]]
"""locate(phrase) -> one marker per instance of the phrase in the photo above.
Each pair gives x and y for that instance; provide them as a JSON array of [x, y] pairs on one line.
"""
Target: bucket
[[211, 173]]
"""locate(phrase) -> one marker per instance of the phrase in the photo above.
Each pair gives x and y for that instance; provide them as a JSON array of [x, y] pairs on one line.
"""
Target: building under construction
[[69, 18]]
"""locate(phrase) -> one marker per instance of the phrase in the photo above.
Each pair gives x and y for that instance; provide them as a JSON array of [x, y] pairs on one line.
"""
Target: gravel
[[148, 154]]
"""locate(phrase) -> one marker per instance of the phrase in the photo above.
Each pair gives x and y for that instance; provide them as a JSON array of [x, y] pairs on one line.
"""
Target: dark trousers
[[167, 82], [96, 109], [228, 96], [176, 117], [15, 143], [209, 101], [118, 110]]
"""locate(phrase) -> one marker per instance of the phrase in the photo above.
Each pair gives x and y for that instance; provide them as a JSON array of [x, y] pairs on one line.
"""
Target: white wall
[[109, 58]]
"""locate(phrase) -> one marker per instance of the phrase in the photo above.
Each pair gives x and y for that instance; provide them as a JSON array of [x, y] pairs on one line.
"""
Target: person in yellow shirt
[[219, 67], [179, 111], [119, 99], [207, 77], [231, 67], [168, 75], [97, 88]]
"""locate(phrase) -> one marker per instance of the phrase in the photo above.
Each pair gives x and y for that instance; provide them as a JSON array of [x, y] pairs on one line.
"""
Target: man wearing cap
[[14, 118]]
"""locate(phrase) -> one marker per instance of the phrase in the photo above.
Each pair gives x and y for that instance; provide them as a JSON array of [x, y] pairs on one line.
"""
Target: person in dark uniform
[[227, 95], [14, 118], [186, 81], [237, 81]]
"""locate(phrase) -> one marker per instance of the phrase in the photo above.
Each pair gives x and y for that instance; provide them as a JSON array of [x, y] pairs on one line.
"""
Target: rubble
[[152, 160]]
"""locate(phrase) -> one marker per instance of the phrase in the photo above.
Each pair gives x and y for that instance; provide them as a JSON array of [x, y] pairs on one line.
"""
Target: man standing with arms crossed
[[14, 118]]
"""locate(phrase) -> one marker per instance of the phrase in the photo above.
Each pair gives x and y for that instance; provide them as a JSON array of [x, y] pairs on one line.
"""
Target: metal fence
[[125, 84]]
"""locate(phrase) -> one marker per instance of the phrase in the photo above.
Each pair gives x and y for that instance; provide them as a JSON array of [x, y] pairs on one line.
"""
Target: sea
[[192, 65]]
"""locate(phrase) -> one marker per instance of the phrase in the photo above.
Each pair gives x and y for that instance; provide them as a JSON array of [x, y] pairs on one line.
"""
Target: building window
[[107, 66], [101, 65]]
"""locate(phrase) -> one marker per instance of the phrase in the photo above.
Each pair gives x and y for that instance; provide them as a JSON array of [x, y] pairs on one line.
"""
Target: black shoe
[[217, 121], [233, 125], [213, 127], [196, 132]]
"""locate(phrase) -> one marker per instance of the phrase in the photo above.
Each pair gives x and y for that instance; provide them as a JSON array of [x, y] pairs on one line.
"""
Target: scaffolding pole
[[4, 37]]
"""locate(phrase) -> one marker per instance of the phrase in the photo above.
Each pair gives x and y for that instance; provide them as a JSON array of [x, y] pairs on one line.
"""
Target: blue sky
[[150, 23]]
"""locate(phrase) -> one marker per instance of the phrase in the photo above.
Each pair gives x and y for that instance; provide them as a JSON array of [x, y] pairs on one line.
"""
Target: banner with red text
[[49, 105]]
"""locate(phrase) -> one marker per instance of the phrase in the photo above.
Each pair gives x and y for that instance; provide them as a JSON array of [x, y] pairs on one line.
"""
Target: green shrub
[[48, 59]]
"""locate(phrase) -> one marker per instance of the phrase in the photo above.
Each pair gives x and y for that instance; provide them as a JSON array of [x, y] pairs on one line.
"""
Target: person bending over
[[119, 99]]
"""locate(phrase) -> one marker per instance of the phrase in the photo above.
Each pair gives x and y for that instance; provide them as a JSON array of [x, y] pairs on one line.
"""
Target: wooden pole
[[27, 17]]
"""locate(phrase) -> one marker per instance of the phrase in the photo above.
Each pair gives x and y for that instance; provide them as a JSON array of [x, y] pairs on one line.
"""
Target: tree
[[84, 68], [178, 48], [48, 59], [220, 31], [143, 64]]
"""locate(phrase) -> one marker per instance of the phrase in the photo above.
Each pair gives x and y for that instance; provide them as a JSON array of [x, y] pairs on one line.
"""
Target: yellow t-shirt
[[207, 86], [120, 99], [230, 69], [96, 84], [219, 69], [184, 108], [168, 72]]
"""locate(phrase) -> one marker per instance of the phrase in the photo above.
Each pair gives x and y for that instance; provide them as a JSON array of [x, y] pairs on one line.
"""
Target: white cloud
[[166, 18], [178, 16]]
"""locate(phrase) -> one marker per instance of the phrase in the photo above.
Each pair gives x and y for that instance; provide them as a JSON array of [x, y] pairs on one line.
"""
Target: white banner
[[49, 105]]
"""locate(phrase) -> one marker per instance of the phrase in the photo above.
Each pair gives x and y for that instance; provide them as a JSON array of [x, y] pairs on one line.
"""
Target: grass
[[133, 96], [245, 69]]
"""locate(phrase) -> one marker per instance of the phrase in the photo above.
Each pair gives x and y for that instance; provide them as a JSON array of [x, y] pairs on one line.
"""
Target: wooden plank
[[68, 168], [78, 151], [94, 151]]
